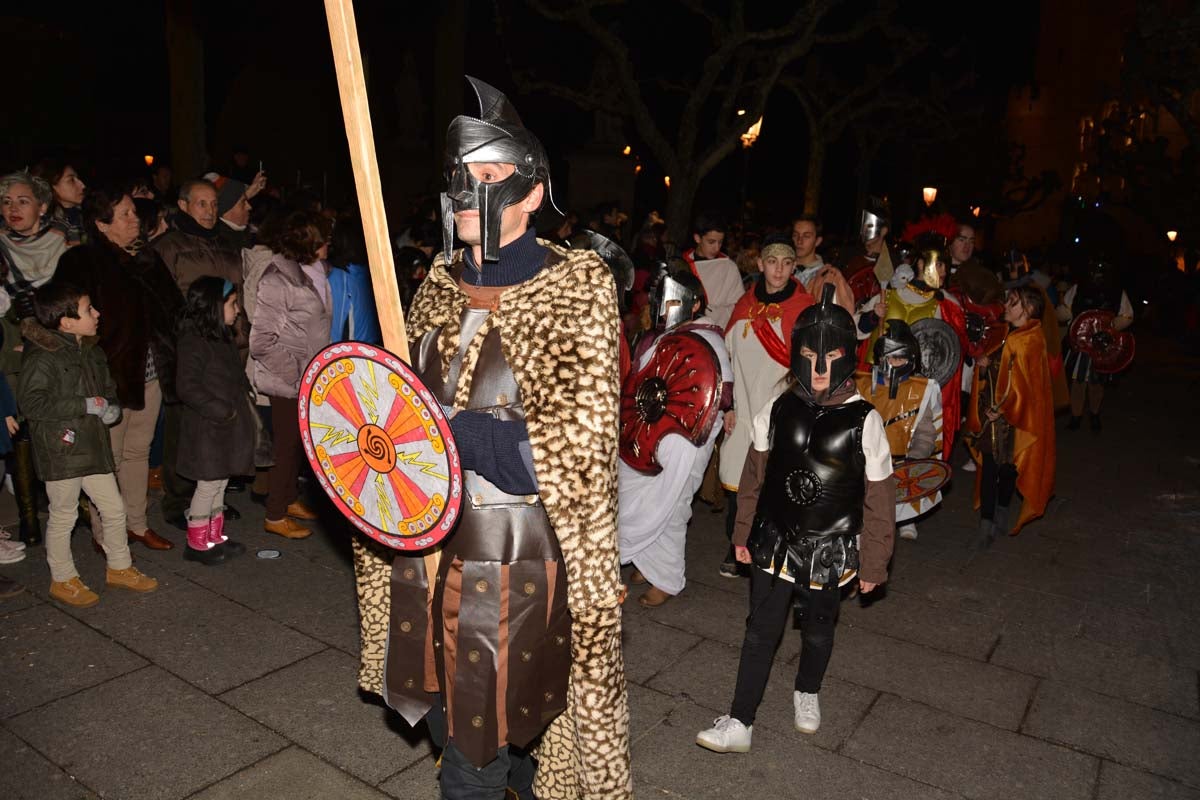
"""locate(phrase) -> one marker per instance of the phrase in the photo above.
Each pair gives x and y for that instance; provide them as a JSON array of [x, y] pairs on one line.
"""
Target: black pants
[[461, 780], [730, 520], [770, 605], [997, 483]]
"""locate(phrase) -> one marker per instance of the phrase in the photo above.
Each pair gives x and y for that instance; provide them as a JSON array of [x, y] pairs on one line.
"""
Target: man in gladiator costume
[[510, 647]]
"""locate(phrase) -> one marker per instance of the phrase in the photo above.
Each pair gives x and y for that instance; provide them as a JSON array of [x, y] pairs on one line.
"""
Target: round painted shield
[[919, 478], [676, 392], [1093, 333], [380, 445], [864, 285], [941, 352]]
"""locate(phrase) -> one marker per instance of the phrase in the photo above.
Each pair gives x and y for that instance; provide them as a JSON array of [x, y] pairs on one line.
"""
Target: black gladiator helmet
[[824, 327], [496, 136], [897, 341]]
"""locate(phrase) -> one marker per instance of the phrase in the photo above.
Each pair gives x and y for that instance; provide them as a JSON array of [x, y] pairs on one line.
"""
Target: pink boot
[[216, 535], [199, 548]]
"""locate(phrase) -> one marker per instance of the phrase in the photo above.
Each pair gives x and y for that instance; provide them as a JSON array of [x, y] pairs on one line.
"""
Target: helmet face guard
[[673, 299], [823, 328], [870, 226], [897, 342], [497, 136]]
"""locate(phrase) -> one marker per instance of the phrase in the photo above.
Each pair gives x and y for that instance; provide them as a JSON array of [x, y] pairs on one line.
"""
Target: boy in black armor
[[816, 486]]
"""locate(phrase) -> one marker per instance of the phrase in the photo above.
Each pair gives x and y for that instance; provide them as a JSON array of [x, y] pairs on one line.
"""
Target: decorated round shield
[[380, 445], [941, 352], [985, 328], [676, 392], [919, 478], [864, 285], [1092, 332]]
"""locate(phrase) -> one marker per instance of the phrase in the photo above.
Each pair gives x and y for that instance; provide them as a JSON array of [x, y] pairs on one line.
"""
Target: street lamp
[[975, 211], [667, 181], [930, 194], [149, 160], [1172, 235]]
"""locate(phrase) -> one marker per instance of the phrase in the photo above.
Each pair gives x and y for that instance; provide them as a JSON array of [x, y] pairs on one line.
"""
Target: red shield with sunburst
[[676, 392], [380, 445]]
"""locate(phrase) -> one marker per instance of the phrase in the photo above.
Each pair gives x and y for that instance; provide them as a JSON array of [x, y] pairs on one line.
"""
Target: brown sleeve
[[879, 530], [750, 484]]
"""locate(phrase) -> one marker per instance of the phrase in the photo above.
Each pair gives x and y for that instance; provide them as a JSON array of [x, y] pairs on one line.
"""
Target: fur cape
[[560, 333]]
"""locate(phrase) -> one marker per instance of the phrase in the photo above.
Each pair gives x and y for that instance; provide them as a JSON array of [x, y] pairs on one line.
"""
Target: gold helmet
[[929, 260]]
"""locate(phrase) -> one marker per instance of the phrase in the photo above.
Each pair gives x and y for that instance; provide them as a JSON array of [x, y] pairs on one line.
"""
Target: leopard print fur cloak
[[559, 333]]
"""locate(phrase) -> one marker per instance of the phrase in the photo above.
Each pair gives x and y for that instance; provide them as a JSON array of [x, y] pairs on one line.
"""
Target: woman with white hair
[[30, 246]]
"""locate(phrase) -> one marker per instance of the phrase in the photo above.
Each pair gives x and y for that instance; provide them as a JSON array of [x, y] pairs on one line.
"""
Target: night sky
[[97, 87]]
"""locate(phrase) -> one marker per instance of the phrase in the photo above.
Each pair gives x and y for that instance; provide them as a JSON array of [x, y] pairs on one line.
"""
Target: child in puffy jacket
[[69, 398], [216, 422]]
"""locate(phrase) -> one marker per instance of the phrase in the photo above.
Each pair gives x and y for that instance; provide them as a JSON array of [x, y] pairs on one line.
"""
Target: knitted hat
[[229, 191]]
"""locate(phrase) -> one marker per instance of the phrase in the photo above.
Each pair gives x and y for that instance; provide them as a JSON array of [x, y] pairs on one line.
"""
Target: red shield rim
[[422, 484]]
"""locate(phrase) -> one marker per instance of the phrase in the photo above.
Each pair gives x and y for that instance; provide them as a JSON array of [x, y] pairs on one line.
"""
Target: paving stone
[[294, 774], [46, 654], [1122, 783], [417, 781], [650, 647], [708, 674], [316, 703], [968, 757], [1117, 730], [176, 740], [202, 637], [776, 766], [312, 598], [700, 610], [1126, 631], [647, 709], [908, 617], [1105, 669], [961, 686], [27, 775], [19, 602]]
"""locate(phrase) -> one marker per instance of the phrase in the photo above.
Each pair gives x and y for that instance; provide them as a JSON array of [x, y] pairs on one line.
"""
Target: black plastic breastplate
[[816, 480]]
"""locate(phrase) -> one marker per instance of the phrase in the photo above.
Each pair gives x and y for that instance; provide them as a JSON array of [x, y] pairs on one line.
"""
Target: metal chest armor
[[501, 562], [908, 312], [815, 478]]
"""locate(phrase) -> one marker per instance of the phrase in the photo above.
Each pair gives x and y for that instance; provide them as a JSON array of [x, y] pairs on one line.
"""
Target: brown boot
[[73, 593], [129, 578], [287, 529], [654, 597]]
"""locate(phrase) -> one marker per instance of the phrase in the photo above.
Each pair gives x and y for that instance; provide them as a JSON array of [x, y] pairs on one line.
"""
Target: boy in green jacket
[[69, 398]]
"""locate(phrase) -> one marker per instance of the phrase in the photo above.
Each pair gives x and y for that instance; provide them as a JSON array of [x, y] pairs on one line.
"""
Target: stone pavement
[[1060, 664]]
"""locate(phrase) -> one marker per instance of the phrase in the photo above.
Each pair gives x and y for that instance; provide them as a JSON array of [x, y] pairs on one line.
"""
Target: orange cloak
[[1029, 408]]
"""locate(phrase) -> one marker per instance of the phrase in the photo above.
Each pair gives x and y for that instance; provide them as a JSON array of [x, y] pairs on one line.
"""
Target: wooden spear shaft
[[352, 87]]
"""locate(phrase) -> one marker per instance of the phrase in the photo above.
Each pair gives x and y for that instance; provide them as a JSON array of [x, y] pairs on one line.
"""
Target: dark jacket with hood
[[139, 304], [216, 422], [58, 374]]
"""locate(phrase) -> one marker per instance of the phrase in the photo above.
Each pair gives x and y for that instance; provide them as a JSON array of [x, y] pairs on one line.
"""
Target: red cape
[[761, 314]]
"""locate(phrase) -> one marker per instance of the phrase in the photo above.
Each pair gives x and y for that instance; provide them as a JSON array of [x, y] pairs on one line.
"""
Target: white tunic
[[653, 510]]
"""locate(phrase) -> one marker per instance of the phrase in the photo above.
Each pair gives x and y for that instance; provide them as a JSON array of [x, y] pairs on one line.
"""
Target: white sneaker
[[6, 536], [808, 712], [11, 552], [728, 735], [969, 466], [908, 531]]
